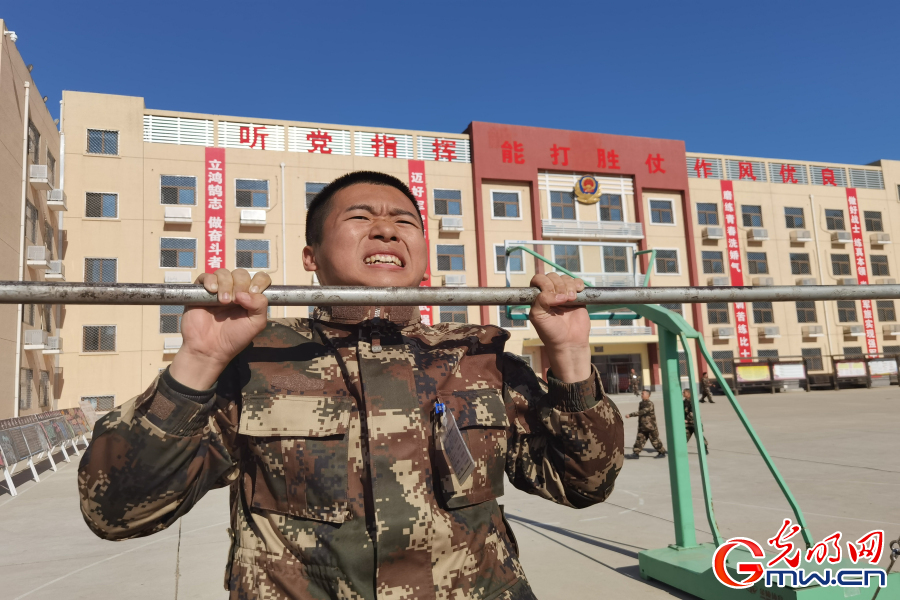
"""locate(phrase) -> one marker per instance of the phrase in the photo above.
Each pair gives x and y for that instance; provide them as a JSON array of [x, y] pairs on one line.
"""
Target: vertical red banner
[[733, 260], [419, 189], [862, 270], [214, 186]]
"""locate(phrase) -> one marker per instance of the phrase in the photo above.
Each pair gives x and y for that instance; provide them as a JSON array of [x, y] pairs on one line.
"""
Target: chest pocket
[[300, 451], [482, 421]]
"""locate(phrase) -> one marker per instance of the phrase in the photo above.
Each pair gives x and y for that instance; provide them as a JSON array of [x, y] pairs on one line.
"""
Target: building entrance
[[615, 371]]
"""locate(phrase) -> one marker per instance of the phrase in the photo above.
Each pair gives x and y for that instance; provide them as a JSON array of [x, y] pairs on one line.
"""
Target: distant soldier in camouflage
[[689, 418], [647, 428], [705, 389], [343, 436], [635, 383]]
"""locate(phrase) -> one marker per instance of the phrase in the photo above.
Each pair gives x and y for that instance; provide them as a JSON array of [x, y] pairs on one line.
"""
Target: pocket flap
[[476, 408], [307, 416]]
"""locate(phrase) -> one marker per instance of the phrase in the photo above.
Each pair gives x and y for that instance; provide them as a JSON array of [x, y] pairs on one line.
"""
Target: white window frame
[[504, 249], [671, 202], [434, 211], [578, 208], [268, 253], [116, 194], [82, 351], [86, 258], [502, 310], [268, 193], [677, 262], [519, 201], [169, 237], [580, 254], [197, 190]]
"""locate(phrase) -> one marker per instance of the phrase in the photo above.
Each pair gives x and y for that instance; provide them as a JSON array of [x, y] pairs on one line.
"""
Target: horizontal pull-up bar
[[39, 292]]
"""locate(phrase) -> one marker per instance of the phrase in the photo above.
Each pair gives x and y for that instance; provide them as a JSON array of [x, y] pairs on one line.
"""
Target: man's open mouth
[[383, 259]]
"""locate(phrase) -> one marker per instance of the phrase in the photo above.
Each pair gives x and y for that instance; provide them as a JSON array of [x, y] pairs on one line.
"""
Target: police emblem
[[587, 190]]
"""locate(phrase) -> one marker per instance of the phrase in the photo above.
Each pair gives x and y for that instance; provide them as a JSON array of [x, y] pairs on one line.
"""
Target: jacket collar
[[352, 315]]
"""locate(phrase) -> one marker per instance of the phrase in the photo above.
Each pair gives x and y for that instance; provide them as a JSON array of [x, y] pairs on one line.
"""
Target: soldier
[[705, 388], [646, 427], [364, 450], [635, 382], [689, 419]]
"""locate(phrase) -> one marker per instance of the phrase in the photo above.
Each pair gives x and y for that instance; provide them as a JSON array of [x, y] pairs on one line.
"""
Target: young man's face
[[645, 396], [372, 237]]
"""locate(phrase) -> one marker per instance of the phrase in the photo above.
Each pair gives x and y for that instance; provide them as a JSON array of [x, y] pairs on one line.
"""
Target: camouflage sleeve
[[152, 458], [565, 441], [636, 413]]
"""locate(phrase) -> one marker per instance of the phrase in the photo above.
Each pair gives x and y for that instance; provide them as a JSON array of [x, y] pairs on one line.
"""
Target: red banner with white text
[[862, 270], [419, 189], [214, 184], [733, 260]]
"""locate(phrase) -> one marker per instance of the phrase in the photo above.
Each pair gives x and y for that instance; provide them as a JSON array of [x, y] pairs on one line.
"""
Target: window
[[879, 266], [751, 216], [767, 353], [516, 264], [453, 314], [48, 236], [675, 308], [682, 364], [712, 262], [176, 189], [813, 358], [251, 193], [509, 323], [51, 167], [853, 351], [447, 202], [661, 212], [99, 338], [101, 141], [757, 263], [101, 206], [26, 378], [846, 311], [707, 213], [46, 311], [615, 259], [873, 220], [170, 318], [762, 312], [886, 310], [610, 207], [840, 264], [891, 349], [806, 311], [31, 220], [666, 262], [252, 254], [506, 205], [723, 359], [562, 205], [567, 257], [793, 218], [451, 257], [44, 399], [178, 252], [100, 270], [102, 403], [717, 313], [34, 144], [311, 190], [834, 219], [800, 264], [28, 311], [527, 359]]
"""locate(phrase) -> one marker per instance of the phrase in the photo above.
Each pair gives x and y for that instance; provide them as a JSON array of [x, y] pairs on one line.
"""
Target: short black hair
[[646, 390], [318, 211]]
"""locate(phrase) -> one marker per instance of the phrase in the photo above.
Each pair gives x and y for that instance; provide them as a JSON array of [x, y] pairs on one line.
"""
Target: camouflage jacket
[[339, 488], [705, 385], [647, 414], [688, 413]]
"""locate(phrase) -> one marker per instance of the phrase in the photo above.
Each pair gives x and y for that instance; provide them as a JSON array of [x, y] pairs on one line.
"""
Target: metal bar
[[39, 292]]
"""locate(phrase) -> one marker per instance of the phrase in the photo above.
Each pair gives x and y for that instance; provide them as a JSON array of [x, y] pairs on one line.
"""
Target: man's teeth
[[383, 259]]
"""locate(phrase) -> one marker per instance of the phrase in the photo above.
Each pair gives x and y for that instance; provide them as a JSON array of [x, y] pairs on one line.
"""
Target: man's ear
[[309, 259]]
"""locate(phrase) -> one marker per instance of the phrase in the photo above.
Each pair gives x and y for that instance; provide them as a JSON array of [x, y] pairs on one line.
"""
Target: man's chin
[[384, 279]]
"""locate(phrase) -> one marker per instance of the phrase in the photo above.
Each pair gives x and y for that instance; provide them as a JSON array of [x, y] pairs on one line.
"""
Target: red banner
[[733, 260], [214, 240], [420, 191], [862, 271]]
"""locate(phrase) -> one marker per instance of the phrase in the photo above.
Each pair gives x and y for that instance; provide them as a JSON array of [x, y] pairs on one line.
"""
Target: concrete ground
[[837, 450]]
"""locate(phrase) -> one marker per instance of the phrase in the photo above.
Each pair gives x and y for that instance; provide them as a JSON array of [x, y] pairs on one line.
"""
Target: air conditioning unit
[[37, 257], [455, 280], [723, 333], [253, 217], [719, 281], [891, 329], [714, 233], [763, 281], [451, 224], [841, 237], [54, 345], [801, 235], [854, 330], [757, 234], [847, 281], [813, 331], [879, 239], [56, 271], [179, 214], [886, 281], [178, 277], [172, 344], [806, 281], [35, 339], [56, 200], [39, 177], [769, 332]]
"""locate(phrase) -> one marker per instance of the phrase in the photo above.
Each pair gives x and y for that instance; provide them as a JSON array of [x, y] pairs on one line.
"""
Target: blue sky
[[801, 80]]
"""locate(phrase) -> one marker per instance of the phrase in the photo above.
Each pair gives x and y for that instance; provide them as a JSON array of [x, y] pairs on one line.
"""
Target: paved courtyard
[[837, 450]]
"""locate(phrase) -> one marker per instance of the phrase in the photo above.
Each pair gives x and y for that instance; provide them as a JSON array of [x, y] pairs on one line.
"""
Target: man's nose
[[384, 229]]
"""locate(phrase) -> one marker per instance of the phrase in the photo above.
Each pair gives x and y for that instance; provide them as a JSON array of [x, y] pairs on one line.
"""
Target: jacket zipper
[[376, 331]]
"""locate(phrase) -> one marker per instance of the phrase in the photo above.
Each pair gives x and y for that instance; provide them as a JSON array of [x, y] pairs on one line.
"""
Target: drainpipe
[[812, 209], [22, 249], [283, 238], [59, 237]]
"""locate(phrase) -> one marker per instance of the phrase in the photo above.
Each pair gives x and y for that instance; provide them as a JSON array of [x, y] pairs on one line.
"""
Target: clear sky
[[800, 80]]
